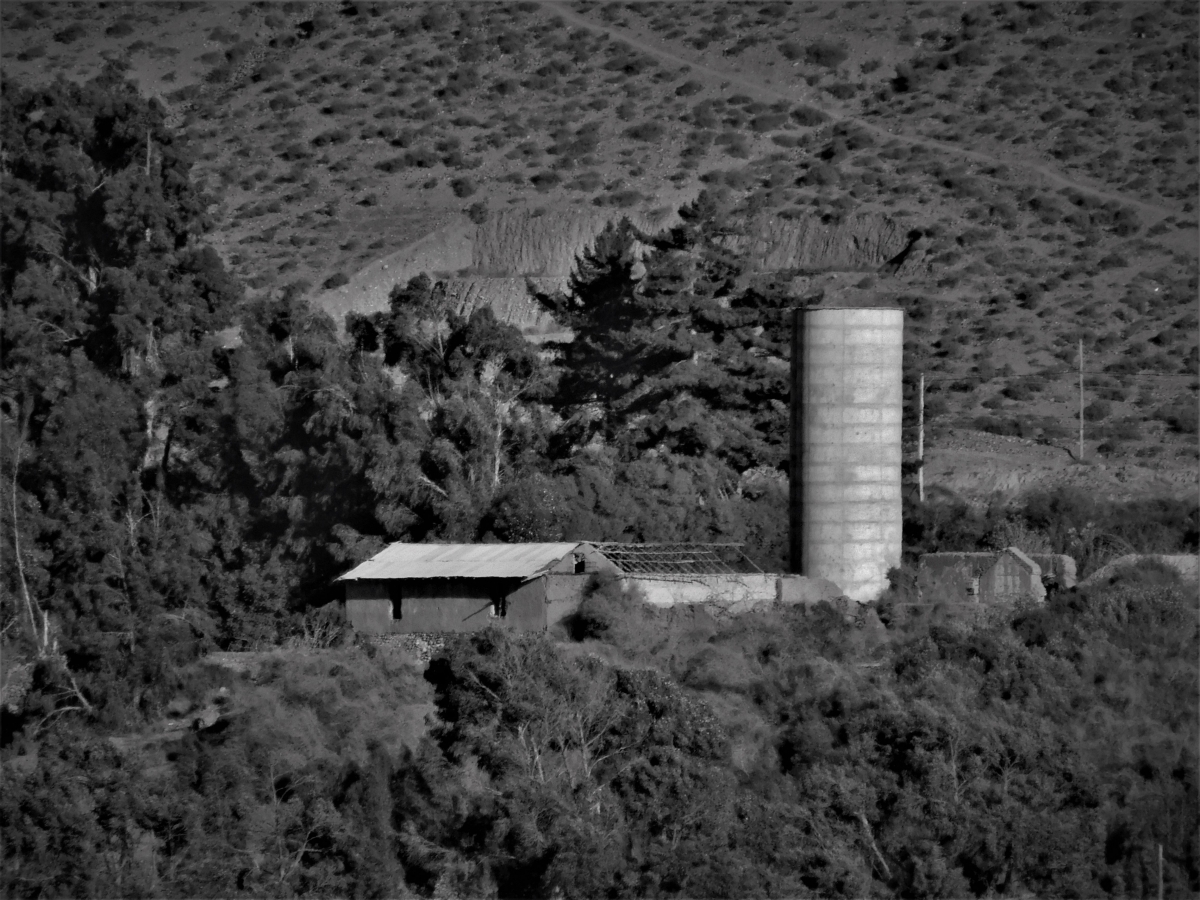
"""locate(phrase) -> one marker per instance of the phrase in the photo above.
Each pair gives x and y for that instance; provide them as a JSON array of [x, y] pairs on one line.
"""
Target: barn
[[423, 588], [441, 588]]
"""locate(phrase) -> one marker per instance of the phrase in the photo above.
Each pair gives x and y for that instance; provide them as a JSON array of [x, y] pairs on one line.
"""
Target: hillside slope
[[1046, 155]]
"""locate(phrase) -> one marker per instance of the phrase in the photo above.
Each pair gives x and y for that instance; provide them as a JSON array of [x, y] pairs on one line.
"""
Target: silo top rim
[[894, 306]]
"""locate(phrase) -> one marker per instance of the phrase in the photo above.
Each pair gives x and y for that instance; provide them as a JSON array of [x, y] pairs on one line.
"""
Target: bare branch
[[30, 603], [866, 826], [425, 481], [88, 284]]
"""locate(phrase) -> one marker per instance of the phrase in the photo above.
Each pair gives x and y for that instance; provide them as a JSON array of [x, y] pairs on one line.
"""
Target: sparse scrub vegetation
[[826, 54], [1121, 119]]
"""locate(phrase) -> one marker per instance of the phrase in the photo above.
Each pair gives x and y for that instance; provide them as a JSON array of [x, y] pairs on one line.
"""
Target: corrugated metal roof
[[402, 560]]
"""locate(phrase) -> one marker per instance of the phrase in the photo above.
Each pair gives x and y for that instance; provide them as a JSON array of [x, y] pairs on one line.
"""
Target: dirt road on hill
[[1151, 212]]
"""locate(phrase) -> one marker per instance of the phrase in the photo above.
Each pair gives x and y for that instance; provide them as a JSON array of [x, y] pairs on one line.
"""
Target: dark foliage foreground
[[1046, 753]]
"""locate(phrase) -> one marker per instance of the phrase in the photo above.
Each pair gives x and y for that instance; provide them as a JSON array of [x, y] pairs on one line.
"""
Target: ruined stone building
[[1003, 576]]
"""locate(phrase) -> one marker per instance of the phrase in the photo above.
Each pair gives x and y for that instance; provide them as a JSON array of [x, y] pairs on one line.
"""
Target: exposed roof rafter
[[678, 559]]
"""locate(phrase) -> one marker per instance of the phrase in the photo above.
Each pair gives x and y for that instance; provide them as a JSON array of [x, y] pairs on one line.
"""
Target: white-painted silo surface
[[846, 412]]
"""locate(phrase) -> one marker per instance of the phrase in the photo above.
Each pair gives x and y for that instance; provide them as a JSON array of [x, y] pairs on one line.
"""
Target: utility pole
[[1081, 399], [1160, 883], [921, 441], [148, 231]]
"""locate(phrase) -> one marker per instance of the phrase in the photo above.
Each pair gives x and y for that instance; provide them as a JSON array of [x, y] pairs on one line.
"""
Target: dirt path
[[1151, 212]]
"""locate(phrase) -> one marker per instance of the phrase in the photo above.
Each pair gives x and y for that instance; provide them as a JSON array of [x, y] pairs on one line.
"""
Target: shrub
[[333, 136], [119, 28], [791, 50], [1181, 416], [808, 116], [270, 70], [1097, 409], [908, 78], [478, 212], [1126, 429], [422, 158], [621, 199], [688, 88], [437, 18], [646, 131], [605, 608], [821, 173], [545, 180], [463, 187], [970, 54], [296, 151], [1019, 391], [768, 122], [70, 34], [995, 425], [335, 281], [586, 181], [825, 53]]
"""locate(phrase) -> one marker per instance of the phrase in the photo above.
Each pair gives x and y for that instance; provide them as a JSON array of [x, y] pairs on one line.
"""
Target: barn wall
[[526, 607], [447, 604], [368, 607], [466, 604], [563, 593]]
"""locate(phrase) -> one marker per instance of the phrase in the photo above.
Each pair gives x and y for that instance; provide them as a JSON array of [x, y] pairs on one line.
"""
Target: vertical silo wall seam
[[845, 462]]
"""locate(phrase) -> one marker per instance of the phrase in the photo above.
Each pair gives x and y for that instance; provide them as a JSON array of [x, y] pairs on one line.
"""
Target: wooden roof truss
[[678, 560]]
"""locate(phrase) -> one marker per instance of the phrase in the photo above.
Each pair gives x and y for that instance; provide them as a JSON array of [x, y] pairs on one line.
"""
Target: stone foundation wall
[[422, 647]]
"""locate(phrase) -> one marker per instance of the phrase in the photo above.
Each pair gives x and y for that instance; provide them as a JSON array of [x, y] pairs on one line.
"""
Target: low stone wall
[[1186, 564], [734, 594], [422, 647], [799, 589]]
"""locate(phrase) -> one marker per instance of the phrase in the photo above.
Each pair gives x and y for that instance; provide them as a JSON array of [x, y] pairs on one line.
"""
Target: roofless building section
[[678, 560]]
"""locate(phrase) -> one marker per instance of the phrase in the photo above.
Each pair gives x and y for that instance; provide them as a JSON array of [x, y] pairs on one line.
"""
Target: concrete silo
[[845, 459]]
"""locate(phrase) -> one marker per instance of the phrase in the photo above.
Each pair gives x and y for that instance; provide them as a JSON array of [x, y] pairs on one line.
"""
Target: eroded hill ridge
[[493, 262], [861, 242]]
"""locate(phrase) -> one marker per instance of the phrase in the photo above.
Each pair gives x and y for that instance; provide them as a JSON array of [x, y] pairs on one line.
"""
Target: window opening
[[394, 596]]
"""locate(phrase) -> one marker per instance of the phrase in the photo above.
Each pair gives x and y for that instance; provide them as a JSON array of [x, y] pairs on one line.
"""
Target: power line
[[1072, 373]]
